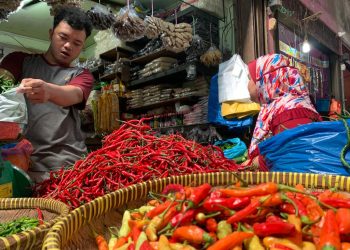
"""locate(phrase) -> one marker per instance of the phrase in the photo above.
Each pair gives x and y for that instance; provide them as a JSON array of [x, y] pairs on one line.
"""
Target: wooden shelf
[[179, 71], [163, 103], [151, 56], [110, 77], [111, 55]]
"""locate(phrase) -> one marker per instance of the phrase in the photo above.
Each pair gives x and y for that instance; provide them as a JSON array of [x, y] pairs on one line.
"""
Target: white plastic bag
[[233, 80], [13, 107]]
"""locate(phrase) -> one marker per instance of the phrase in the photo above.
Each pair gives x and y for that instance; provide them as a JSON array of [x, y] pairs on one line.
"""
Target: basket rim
[[64, 228], [55, 206]]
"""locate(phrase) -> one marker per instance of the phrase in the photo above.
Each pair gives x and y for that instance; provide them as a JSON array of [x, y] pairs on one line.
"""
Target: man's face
[[66, 43]]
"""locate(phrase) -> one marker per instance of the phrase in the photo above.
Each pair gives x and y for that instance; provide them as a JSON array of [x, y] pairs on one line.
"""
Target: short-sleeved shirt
[[54, 131]]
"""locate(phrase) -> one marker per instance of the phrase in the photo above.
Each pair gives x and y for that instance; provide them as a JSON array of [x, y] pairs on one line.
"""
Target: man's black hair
[[75, 17]]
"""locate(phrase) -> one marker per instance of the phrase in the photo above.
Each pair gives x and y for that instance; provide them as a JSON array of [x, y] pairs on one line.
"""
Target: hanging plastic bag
[[233, 80], [13, 107], [239, 109], [13, 114], [212, 57], [310, 148], [233, 149], [128, 25], [101, 17]]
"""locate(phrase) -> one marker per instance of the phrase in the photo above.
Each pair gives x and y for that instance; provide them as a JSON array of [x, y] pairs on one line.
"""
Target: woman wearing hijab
[[284, 100]]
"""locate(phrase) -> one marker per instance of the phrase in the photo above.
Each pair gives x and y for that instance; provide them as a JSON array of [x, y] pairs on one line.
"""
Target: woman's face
[[253, 91]]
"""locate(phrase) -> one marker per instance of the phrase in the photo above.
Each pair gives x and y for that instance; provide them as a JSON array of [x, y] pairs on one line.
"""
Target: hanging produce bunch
[[154, 27], [128, 26], [176, 37], [197, 48], [101, 17], [7, 7], [212, 57], [130, 155], [57, 4]]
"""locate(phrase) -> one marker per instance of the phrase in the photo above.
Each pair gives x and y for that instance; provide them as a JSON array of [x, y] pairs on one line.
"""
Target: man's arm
[[39, 91], [75, 92]]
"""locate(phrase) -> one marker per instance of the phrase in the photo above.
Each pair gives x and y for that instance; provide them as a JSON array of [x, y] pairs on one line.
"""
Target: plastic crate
[[322, 105]]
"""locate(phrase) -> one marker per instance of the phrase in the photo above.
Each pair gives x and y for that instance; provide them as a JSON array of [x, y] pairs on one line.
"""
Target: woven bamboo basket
[[14, 208], [72, 232]]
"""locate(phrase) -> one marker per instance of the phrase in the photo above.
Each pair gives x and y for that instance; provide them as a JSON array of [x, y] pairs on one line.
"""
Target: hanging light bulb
[[306, 46]]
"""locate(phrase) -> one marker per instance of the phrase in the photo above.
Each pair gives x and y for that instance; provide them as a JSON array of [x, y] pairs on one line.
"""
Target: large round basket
[[14, 208], [72, 232]]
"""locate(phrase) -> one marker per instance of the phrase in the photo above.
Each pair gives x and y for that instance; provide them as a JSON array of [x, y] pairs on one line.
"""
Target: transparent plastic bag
[[101, 17], [128, 26], [212, 57], [196, 48], [154, 27]]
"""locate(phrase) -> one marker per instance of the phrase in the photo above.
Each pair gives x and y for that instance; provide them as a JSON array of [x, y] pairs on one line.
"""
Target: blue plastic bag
[[214, 109], [310, 148], [236, 151]]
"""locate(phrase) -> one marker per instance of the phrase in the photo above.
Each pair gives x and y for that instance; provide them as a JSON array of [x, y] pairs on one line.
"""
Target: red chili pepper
[[183, 218], [146, 246], [343, 219], [131, 246], [211, 225], [280, 247], [330, 237], [241, 214], [337, 202], [173, 188], [220, 204], [40, 216], [259, 190], [135, 233], [273, 218], [301, 210], [230, 241], [192, 234], [198, 194], [159, 209], [274, 228], [287, 208]]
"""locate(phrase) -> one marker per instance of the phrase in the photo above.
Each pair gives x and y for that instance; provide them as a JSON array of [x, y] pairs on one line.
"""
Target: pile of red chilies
[[129, 155]]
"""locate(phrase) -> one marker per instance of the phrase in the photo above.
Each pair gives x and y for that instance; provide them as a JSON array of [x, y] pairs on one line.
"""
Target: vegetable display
[[130, 155], [236, 217], [17, 226], [5, 83]]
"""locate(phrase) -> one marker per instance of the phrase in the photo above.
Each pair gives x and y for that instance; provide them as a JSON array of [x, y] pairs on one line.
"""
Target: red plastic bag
[[19, 155], [9, 131]]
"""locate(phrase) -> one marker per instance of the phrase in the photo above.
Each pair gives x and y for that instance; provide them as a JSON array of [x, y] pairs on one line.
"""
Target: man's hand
[[36, 90]]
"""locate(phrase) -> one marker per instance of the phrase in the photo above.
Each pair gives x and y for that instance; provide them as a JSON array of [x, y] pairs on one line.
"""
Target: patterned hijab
[[280, 87]]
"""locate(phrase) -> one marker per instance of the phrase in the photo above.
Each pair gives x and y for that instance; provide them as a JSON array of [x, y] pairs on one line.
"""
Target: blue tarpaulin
[[310, 148]]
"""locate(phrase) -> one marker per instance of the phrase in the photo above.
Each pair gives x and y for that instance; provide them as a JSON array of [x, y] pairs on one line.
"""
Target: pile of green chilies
[[17, 226]]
